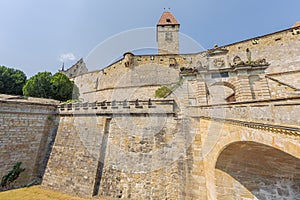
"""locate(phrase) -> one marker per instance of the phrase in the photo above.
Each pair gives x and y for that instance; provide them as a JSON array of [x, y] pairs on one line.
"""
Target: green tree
[[38, 85], [63, 88], [11, 81], [44, 85]]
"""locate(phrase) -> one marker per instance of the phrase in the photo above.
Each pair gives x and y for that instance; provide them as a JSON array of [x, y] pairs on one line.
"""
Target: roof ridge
[[167, 18]]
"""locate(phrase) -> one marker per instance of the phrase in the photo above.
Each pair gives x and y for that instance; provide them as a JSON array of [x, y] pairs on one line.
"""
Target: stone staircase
[[287, 89]]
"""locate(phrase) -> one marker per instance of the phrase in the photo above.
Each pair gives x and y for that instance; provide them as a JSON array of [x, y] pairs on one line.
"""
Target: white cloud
[[67, 57]]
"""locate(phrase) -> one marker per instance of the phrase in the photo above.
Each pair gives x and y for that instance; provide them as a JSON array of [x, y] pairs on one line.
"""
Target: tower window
[[168, 20], [169, 37]]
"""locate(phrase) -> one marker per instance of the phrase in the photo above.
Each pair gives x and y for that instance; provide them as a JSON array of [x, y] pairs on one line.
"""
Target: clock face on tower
[[169, 37]]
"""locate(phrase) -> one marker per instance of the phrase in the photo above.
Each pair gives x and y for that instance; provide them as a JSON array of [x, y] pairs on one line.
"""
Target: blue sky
[[40, 35]]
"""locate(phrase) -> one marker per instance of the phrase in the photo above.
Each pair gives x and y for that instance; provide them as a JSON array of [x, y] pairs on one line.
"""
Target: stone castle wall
[[139, 76], [27, 132], [281, 50], [134, 164], [73, 162], [139, 160], [108, 151], [284, 84], [118, 82]]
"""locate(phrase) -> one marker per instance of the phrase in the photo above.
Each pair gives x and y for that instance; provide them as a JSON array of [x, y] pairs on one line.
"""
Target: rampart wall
[[118, 82], [135, 150], [27, 130]]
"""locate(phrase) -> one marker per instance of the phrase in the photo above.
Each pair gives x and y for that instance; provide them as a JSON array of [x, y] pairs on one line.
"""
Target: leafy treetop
[[11, 80], [44, 85]]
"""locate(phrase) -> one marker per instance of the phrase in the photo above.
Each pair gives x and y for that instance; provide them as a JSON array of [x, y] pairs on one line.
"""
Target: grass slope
[[35, 193]]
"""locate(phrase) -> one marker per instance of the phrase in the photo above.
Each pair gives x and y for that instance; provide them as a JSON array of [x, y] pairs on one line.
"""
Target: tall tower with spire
[[167, 34]]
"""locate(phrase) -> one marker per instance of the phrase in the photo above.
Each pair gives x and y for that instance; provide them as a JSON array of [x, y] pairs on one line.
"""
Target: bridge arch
[[256, 171], [228, 178]]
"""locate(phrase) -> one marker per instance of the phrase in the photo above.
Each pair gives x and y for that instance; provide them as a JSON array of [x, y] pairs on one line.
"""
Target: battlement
[[131, 60], [275, 36], [150, 106]]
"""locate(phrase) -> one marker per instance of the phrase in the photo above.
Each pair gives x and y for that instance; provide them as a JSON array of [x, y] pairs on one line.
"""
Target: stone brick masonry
[[27, 130]]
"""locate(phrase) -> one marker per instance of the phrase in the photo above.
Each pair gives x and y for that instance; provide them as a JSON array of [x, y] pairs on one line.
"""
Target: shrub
[[12, 175], [162, 92]]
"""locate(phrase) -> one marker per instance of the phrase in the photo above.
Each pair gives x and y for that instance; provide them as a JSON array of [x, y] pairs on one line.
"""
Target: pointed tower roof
[[167, 18], [296, 25]]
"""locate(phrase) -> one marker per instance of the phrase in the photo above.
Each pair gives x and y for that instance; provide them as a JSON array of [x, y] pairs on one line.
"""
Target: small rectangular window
[[220, 75]]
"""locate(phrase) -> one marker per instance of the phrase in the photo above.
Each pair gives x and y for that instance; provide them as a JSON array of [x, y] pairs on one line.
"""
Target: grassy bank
[[36, 193]]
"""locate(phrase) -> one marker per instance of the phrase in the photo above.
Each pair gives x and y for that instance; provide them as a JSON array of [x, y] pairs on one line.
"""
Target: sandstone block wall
[[271, 112], [73, 161], [27, 132], [140, 159], [281, 50], [118, 82], [168, 39], [136, 155]]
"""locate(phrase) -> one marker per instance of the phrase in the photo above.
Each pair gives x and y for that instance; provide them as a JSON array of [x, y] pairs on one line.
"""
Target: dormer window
[[168, 20]]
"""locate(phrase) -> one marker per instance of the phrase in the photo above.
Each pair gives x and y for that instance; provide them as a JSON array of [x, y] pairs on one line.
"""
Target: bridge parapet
[[155, 106], [277, 115]]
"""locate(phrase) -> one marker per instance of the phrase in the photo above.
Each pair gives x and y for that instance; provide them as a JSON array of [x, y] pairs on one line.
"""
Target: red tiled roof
[[167, 18], [296, 25]]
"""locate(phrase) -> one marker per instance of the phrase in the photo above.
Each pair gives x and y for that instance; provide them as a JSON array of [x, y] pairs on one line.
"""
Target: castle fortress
[[219, 124]]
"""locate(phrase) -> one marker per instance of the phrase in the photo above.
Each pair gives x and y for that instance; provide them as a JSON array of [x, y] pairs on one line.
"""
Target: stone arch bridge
[[247, 150]]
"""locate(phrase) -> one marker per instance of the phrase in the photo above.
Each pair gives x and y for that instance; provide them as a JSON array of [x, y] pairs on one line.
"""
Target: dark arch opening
[[222, 92], [252, 170]]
